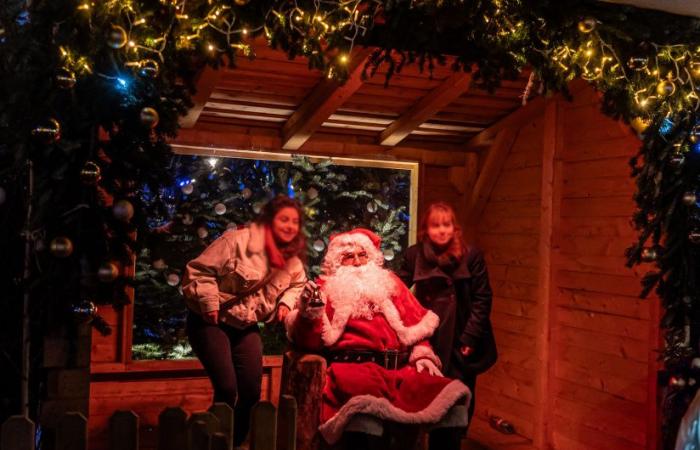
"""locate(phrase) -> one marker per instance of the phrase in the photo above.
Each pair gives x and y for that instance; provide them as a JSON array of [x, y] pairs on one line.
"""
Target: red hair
[[456, 246]]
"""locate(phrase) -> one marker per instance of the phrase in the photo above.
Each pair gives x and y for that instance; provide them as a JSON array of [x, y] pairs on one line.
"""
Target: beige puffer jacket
[[234, 262]]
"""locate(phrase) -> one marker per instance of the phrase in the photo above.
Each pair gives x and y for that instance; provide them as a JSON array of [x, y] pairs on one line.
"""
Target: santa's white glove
[[427, 365]]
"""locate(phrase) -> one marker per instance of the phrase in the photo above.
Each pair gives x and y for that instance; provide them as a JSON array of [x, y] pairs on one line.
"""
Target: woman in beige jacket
[[246, 276]]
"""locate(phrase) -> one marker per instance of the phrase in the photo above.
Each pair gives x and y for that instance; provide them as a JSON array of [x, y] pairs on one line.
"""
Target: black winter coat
[[461, 296]]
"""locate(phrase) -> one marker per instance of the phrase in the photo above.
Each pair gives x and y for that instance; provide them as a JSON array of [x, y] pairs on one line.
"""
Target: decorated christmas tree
[[210, 195]]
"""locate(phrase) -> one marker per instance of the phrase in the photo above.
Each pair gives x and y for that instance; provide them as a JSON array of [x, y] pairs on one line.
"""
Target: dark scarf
[[439, 256]]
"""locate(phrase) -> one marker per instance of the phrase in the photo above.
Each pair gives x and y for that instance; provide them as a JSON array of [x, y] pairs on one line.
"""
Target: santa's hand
[[427, 365], [308, 293]]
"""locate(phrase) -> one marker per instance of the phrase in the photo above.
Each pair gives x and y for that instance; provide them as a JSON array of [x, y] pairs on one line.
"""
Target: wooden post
[[124, 431], [287, 423], [199, 435], [172, 429], [550, 210], [17, 434], [304, 377], [263, 434], [221, 441], [224, 413], [71, 432]]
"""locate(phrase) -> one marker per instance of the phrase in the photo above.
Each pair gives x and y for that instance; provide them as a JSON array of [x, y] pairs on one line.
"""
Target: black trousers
[[233, 360]]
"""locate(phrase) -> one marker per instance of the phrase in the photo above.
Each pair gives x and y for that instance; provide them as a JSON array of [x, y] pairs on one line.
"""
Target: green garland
[[112, 77]]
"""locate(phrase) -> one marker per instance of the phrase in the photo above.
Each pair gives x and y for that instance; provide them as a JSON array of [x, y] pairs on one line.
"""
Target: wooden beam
[[547, 330], [495, 158], [449, 90], [324, 100], [514, 121], [683, 7], [206, 82]]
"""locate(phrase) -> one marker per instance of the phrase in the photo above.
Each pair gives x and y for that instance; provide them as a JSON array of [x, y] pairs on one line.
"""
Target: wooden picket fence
[[211, 430]]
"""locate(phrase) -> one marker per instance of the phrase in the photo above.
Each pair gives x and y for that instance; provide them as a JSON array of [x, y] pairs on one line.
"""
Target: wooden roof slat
[[249, 108], [325, 99], [206, 82], [426, 107]]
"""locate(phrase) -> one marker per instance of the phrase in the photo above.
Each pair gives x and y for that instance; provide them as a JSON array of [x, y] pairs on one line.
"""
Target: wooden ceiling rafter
[[206, 83], [322, 102], [448, 91]]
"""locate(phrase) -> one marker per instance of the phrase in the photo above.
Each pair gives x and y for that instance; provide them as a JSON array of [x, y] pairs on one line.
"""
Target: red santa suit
[[394, 320]]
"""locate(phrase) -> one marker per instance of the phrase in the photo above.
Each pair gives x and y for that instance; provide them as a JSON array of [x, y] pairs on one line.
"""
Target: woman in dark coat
[[451, 279]]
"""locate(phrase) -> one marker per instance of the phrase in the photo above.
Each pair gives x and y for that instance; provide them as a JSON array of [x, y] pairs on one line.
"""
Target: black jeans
[[233, 361]]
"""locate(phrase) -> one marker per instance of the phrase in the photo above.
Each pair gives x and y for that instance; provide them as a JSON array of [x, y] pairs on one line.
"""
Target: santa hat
[[342, 242]]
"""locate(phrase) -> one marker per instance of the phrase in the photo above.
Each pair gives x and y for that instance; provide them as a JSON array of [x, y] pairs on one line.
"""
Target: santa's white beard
[[362, 289]]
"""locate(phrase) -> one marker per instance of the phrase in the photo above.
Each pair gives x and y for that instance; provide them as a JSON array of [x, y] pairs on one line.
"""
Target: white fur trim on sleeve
[[424, 352], [414, 333]]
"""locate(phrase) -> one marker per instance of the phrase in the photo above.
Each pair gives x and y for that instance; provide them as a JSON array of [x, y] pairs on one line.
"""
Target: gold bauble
[[665, 88], [689, 198], [90, 173], [49, 132], [241, 2], [84, 312], [149, 117], [694, 135], [117, 37], [640, 124], [108, 272], [123, 210], [61, 247], [149, 68], [65, 78], [587, 25]]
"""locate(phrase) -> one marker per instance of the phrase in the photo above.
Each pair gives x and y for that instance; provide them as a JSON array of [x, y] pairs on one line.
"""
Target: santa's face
[[355, 256]]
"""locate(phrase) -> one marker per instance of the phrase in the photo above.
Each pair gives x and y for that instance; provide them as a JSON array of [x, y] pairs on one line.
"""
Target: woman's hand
[[465, 350], [282, 311], [211, 317]]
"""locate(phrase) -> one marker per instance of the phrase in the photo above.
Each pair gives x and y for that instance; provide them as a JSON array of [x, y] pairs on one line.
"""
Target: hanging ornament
[[159, 264], [319, 245], [173, 279], [694, 236], [91, 173], [187, 219], [117, 37], [61, 247], [694, 135], [49, 132], [649, 254], [202, 232], [312, 193], [691, 381], [3, 195], [695, 363], [149, 68], [388, 254], [677, 382], [246, 193], [84, 312], [257, 207], [220, 209], [123, 210], [231, 226], [187, 189], [638, 63], [372, 206], [149, 117], [640, 124], [689, 198], [665, 88], [108, 272], [65, 78], [587, 25], [241, 2], [677, 161]]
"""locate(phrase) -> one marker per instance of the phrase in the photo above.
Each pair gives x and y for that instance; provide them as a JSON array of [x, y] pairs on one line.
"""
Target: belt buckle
[[391, 356]]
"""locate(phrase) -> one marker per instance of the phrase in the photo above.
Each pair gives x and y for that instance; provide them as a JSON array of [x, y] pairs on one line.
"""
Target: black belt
[[389, 359]]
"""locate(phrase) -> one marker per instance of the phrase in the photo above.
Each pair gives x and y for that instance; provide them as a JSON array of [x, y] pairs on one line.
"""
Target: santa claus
[[374, 334]]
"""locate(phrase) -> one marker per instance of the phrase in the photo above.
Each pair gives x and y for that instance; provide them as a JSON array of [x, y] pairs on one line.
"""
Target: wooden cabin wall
[[577, 367], [148, 387]]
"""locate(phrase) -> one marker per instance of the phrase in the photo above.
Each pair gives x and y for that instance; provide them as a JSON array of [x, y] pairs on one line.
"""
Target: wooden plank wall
[[595, 387]]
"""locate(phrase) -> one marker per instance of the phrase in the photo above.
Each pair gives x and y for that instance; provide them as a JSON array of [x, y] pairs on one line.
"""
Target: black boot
[[445, 439]]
